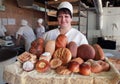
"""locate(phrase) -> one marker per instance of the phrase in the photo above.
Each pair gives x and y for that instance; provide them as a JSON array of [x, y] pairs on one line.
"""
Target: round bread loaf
[[50, 46], [28, 66], [63, 54], [99, 54], [72, 46], [55, 62], [85, 69], [42, 66], [86, 51], [73, 66], [61, 41], [96, 67]]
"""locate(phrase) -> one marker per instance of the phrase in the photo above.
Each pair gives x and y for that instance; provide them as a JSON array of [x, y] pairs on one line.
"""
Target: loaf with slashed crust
[[61, 41], [63, 54]]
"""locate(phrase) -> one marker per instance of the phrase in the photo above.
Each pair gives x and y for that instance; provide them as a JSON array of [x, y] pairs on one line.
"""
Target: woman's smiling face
[[64, 19]]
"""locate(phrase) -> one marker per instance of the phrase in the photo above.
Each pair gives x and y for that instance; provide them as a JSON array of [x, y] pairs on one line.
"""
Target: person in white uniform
[[27, 33], [64, 17], [2, 30], [41, 29]]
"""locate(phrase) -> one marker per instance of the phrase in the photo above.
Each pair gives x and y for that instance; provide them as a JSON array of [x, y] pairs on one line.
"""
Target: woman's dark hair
[[64, 10]]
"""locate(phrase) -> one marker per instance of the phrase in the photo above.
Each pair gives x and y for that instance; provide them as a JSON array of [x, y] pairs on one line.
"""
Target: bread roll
[[85, 69], [86, 51], [72, 46], [62, 70], [61, 41], [63, 54], [99, 54], [96, 67], [42, 66], [50, 46], [105, 65], [28, 66], [73, 66], [46, 56], [78, 59], [55, 62]]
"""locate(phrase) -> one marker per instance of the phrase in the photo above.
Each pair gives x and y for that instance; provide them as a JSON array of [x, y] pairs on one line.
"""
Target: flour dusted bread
[[61, 41], [46, 56], [28, 66], [63, 54]]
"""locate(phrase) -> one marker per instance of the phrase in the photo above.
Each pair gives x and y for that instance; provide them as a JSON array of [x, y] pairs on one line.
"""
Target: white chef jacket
[[28, 34], [40, 31], [2, 30], [72, 35]]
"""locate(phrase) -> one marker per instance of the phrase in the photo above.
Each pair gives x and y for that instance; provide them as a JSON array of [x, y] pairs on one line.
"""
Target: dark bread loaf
[[37, 47], [72, 46], [86, 51], [99, 54]]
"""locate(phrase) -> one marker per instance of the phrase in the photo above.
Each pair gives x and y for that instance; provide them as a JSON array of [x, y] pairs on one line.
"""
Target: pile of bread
[[64, 57]]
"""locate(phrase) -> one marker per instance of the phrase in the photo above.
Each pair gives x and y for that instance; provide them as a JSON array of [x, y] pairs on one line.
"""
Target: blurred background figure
[[3, 31], [27, 33], [40, 30]]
